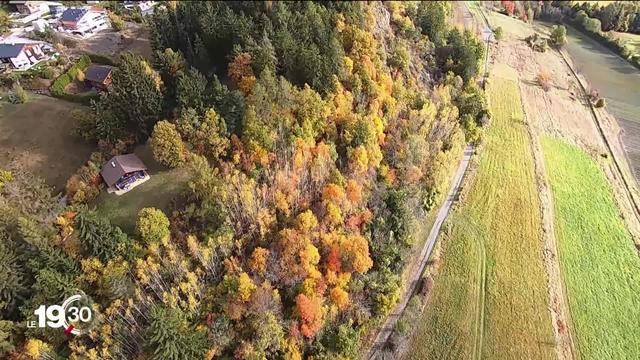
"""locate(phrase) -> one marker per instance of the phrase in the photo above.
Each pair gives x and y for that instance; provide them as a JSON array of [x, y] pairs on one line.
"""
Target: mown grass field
[[600, 266], [38, 136], [502, 211]]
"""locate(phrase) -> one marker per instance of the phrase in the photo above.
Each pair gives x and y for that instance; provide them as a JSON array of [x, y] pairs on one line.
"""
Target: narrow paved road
[[414, 279]]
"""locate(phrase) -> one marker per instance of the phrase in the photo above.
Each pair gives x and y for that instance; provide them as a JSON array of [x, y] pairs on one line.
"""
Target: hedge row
[[58, 88], [82, 99], [610, 43]]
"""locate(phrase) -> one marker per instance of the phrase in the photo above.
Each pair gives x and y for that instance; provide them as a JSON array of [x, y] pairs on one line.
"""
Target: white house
[[145, 7], [21, 56], [83, 21], [30, 7], [34, 10]]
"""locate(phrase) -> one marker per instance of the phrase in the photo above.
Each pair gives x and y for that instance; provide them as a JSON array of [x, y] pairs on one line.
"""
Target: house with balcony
[[98, 77], [21, 56], [84, 22], [123, 172]]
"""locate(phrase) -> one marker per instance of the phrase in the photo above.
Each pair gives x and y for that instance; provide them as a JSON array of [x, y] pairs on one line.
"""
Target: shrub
[[498, 33], [47, 35], [18, 95], [593, 25], [137, 17], [152, 225], [559, 36], [47, 73], [84, 124], [600, 103], [400, 58], [116, 22], [537, 43], [61, 61], [58, 88], [544, 80], [101, 59], [471, 131], [85, 184]]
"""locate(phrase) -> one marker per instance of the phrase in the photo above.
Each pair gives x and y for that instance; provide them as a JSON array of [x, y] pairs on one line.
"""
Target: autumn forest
[[317, 137]]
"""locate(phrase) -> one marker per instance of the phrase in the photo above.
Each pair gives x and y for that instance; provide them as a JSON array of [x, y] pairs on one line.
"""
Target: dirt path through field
[[542, 110], [387, 328]]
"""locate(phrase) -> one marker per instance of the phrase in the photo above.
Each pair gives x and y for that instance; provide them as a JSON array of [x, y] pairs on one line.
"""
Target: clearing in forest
[[159, 192], [600, 266], [501, 212]]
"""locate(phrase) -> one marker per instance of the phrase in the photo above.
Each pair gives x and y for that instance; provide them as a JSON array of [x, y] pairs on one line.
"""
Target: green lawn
[[501, 212], [600, 266], [163, 186]]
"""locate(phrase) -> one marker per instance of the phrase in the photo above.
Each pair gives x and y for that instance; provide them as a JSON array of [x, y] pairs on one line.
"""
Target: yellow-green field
[[600, 266], [512, 28], [446, 329], [501, 211]]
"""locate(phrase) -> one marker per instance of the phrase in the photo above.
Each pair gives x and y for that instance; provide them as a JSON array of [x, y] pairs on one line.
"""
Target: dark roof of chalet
[[97, 73], [10, 50], [73, 14], [120, 165]]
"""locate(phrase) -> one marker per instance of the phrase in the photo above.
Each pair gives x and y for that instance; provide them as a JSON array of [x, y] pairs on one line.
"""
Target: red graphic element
[[69, 329]]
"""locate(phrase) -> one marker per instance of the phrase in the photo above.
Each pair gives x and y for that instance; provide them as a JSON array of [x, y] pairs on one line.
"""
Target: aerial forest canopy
[[316, 136]]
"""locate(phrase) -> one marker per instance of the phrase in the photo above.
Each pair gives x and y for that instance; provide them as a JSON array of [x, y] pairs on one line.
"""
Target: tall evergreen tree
[[190, 91], [136, 97], [11, 278], [99, 238], [171, 337]]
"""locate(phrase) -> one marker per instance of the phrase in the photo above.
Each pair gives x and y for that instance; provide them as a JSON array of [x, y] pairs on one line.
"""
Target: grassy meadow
[[501, 212], [600, 266], [38, 136]]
